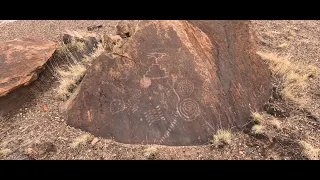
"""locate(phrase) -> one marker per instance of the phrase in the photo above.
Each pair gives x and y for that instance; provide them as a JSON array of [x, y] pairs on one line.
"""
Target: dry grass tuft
[[4, 152], [151, 152], [70, 76], [69, 79], [222, 137], [81, 140], [257, 117], [258, 129], [291, 35], [309, 151], [283, 46], [97, 52], [296, 77]]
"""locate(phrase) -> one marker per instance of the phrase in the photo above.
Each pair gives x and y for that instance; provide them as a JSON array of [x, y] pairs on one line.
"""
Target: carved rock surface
[[21, 60], [176, 83]]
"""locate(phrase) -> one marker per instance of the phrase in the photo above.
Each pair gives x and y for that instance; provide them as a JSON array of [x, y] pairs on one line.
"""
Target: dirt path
[[35, 132]]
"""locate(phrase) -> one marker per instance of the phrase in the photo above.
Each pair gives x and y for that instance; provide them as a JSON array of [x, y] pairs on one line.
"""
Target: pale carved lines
[[156, 68], [154, 115], [160, 72], [189, 109], [156, 56], [134, 108], [185, 88], [171, 127], [117, 105], [136, 94]]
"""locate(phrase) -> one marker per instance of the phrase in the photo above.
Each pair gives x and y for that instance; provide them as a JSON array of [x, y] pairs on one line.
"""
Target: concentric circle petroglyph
[[185, 88], [189, 109]]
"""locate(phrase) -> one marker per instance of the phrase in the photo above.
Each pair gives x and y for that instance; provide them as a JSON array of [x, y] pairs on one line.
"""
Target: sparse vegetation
[[69, 79], [222, 137], [258, 129], [309, 151], [276, 136], [256, 117], [97, 52], [283, 46], [4, 152], [295, 77], [151, 152], [291, 35], [81, 140], [275, 123]]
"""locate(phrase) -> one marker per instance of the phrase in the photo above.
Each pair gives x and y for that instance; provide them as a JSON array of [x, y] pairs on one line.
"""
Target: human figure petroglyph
[[156, 56], [155, 72]]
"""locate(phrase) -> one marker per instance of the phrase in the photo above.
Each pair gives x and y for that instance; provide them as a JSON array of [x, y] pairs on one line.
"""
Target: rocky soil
[[37, 130]]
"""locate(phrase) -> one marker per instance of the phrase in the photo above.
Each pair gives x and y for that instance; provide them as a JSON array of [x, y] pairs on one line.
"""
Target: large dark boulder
[[173, 83]]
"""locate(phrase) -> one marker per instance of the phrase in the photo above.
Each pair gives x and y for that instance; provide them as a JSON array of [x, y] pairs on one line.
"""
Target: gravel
[[48, 29]]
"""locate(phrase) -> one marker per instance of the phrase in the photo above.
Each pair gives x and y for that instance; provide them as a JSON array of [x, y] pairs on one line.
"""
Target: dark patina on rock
[[176, 83], [21, 60]]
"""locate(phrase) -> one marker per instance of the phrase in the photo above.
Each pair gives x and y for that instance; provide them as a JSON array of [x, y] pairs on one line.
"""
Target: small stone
[[241, 152], [94, 141], [29, 151], [91, 28], [45, 107]]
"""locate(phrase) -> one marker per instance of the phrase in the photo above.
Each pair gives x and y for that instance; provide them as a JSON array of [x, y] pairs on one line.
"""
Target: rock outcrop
[[173, 83], [21, 61]]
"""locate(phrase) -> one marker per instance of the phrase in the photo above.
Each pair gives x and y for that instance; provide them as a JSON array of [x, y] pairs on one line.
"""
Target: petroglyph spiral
[[189, 109], [185, 88]]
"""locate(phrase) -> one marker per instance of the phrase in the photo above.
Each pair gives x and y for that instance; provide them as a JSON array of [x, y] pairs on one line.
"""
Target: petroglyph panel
[[178, 82]]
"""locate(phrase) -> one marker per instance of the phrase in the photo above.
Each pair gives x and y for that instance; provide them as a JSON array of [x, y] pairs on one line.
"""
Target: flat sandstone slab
[[180, 82], [21, 60]]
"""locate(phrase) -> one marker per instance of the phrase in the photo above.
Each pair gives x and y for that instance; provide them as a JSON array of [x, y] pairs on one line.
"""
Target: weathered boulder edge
[[21, 61]]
